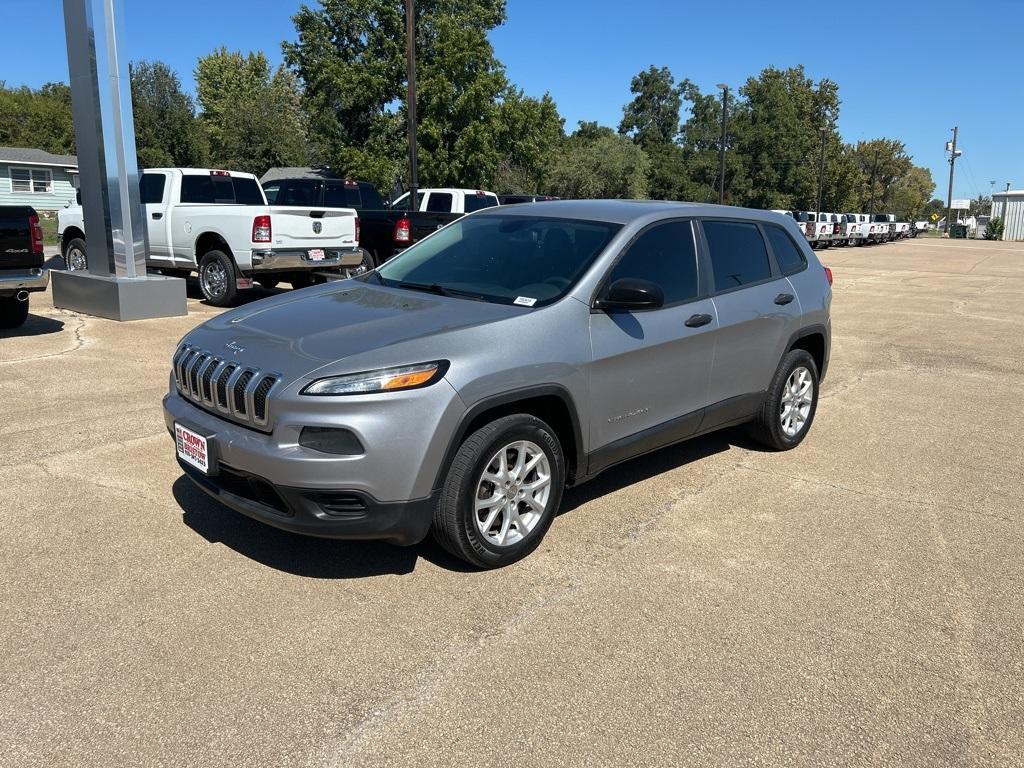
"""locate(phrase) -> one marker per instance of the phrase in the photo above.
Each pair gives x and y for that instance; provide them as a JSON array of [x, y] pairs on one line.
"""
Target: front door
[[649, 375]]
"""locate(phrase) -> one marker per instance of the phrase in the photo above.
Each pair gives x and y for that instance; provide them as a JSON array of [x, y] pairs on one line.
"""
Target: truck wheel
[[790, 404], [13, 313], [502, 492], [218, 279], [368, 264], [74, 255]]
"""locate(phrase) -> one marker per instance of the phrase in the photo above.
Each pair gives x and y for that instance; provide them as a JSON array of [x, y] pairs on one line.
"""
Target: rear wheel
[[501, 492], [366, 265], [74, 255], [790, 403], [218, 279], [13, 313]]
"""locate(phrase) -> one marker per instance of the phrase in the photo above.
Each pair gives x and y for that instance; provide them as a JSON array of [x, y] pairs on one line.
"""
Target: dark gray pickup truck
[[21, 263]]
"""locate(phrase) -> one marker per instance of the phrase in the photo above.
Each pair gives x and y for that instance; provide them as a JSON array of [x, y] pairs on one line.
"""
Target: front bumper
[[338, 514], [14, 280], [274, 260]]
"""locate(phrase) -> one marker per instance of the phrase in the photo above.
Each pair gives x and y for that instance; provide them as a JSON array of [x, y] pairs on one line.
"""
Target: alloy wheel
[[75, 260], [512, 493], [797, 397], [214, 279]]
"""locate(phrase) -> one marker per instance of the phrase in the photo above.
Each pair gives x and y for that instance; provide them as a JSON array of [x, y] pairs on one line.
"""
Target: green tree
[[40, 119], [166, 130], [596, 162], [651, 119], [882, 163], [702, 135], [529, 132], [910, 193], [252, 117], [350, 59]]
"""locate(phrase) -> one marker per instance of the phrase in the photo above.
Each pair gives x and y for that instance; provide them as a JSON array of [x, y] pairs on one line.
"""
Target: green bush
[[994, 230]]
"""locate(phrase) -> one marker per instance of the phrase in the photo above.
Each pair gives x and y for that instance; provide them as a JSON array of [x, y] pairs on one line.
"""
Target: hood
[[296, 333]]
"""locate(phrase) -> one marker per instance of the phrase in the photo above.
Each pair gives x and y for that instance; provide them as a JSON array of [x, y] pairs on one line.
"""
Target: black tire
[[13, 313], [455, 525], [71, 262], [302, 280], [368, 264], [767, 427], [270, 283], [216, 292]]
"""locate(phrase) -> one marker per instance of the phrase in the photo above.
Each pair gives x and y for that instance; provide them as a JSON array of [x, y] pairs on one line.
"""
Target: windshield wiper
[[428, 287]]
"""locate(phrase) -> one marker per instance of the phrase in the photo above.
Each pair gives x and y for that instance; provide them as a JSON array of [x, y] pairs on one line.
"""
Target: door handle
[[784, 298], [157, 216], [696, 321]]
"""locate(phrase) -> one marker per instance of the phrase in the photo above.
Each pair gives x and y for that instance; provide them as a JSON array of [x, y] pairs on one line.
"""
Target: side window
[[271, 191], [790, 258], [196, 189], [665, 255], [247, 191], [738, 254], [439, 202], [151, 188]]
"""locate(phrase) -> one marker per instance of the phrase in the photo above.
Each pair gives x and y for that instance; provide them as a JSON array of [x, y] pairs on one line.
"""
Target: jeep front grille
[[224, 387]]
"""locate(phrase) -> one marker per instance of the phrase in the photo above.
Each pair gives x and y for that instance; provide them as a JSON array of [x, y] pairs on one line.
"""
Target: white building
[[1009, 206]]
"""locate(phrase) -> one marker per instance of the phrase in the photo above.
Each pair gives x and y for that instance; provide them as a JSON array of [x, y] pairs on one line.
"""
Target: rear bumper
[[30, 279], [274, 260]]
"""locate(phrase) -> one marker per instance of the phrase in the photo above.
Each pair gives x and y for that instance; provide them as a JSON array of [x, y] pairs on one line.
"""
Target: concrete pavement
[[857, 601]]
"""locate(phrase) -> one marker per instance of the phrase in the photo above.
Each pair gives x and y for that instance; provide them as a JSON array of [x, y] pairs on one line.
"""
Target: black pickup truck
[[21, 262], [383, 230]]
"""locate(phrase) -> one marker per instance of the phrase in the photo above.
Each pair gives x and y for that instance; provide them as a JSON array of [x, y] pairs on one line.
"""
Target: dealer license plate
[[316, 254], [192, 448]]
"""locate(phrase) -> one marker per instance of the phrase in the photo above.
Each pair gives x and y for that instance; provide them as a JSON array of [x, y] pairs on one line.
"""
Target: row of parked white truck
[[823, 230]]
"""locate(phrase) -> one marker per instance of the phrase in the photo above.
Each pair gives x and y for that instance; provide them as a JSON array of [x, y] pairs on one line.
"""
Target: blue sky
[[584, 53]]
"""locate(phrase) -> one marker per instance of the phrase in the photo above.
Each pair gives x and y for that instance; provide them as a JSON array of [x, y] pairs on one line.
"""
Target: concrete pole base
[[119, 298]]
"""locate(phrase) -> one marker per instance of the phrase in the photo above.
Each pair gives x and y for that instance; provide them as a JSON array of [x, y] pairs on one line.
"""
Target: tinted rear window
[[196, 189], [220, 189], [441, 202], [787, 254], [338, 194], [738, 254], [476, 202], [151, 187], [247, 191]]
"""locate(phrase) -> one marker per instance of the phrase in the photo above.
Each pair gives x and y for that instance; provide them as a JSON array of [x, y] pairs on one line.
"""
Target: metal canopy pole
[[116, 284], [410, 99]]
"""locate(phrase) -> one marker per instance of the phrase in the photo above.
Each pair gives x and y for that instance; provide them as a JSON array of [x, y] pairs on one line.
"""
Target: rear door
[[757, 311], [154, 194], [649, 375]]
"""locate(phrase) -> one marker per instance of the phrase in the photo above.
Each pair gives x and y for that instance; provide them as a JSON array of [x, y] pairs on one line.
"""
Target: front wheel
[[790, 403], [501, 492], [218, 279], [74, 255]]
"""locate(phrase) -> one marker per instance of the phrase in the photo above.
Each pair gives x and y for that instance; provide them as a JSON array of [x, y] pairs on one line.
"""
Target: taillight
[[357, 229], [809, 228], [871, 229], [402, 230], [261, 229], [37, 233], [835, 229], [828, 275]]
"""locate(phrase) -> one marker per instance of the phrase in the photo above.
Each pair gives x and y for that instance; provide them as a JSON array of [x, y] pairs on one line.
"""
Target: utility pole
[[952, 164], [721, 147], [874, 170], [410, 98], [821, 167]]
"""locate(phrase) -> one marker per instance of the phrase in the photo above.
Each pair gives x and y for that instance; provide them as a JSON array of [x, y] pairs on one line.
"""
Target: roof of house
[[31, 156], [298, 173]]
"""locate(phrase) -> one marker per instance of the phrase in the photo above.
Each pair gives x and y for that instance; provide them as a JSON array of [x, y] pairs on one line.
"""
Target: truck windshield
[[524, 260]]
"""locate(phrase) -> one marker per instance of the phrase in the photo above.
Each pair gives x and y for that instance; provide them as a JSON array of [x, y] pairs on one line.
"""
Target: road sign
[[935, 217], [961, 205]]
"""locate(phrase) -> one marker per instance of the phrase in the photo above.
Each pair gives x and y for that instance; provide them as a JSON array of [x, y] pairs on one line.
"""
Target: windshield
[[524, 260]]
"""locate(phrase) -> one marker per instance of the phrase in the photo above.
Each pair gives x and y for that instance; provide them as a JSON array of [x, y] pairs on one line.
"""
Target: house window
[[32, 181]]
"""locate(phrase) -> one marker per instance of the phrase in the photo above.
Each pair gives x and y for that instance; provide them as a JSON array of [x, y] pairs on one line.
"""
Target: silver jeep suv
[[460, 387]]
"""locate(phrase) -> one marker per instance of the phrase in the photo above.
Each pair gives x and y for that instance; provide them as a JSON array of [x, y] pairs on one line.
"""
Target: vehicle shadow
[[297, 554], [35, 325], [647, 466]]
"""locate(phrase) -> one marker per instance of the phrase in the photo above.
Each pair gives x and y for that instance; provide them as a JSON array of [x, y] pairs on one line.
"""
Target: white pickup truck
[[448, 200], [218, 223]]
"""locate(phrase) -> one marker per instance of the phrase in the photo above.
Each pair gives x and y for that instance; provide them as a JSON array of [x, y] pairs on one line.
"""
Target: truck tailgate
[[16, 239], [313, 227]]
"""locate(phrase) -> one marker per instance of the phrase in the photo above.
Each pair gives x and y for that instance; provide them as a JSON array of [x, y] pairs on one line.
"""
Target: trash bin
[[958, 232]]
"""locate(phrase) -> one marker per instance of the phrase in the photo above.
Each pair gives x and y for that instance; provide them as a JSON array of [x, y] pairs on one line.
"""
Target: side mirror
[[631, 293]]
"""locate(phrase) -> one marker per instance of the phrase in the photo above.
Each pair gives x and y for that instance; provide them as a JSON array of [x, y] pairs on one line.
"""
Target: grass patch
[[49, 227]]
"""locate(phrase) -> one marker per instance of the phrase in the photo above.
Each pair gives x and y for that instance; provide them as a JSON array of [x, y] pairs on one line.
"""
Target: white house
[[37, 178]]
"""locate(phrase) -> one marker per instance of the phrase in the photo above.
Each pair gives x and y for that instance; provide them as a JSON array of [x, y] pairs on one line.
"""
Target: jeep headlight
[[381, 380]]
